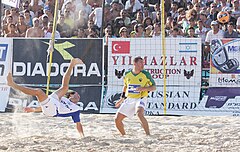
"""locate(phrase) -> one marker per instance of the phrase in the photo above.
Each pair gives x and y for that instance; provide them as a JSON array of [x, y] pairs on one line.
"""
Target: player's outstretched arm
[[28, 109]]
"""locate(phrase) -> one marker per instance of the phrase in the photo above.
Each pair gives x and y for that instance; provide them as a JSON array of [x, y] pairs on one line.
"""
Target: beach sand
[[36, 132]]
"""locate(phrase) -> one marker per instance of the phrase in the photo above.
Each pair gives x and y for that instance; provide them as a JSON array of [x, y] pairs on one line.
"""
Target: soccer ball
[[223, 17]]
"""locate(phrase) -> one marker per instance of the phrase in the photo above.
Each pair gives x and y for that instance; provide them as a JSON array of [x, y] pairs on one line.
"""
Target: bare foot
[[76, 61], [10, 81]]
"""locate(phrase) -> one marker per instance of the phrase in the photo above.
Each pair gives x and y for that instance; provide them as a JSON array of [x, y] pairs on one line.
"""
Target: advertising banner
[[225, 70], [183, 69], [5, 66], [12, 3], [30, 66], [221, 101]]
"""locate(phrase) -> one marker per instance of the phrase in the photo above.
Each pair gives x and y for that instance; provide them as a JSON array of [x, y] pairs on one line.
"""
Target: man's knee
[[119, 118], [140, 112]]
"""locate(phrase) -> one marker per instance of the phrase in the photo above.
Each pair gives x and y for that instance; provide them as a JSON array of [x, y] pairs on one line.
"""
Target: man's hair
[[69, 93], [136, 59]]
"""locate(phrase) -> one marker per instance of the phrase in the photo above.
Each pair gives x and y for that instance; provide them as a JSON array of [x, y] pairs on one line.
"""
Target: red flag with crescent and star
[[120, 47]]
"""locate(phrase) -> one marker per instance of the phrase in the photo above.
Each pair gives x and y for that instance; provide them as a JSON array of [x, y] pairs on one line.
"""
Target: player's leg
[[41, 96], [80, 129], [143, 120], [66, 78], [119, 124]]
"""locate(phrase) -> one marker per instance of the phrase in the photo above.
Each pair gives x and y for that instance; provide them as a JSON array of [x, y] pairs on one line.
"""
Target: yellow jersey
[[133, 81]]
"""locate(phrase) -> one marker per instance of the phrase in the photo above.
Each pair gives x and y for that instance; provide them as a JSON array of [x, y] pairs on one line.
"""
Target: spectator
[[6, 14], [181, 16], [174, 33], [201, 31], [236, 9], [35, 31], [82, 20], [139, 30], [118, 23], [132, 6], [192, 13], [213, 12], [191, 33], [126, 19], [14, 14], [158, 17], [5, 26], [21, 26], [96, 16], [68, 19], [35, 6], [156, 10], [12, 31], [25, 6], [63, 28], [206, 21], [230, 33], [139, 17], [115, 12], [90, 25], [28, 18], [123, 32], [215, 33], [189, 5], [108, 34], [156, 30], [48, 34], [81, 33], [43, 22], [93, 33], [86, 7], [174, 10], [148, 31], [133, 34], [147, 21], [48, 12]]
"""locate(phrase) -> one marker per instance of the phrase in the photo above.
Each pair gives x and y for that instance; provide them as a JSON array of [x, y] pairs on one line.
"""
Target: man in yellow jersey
[[137, 84]]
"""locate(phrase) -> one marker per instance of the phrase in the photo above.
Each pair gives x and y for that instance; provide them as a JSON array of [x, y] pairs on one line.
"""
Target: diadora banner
[[183, 72], [225, 70], [5, 65], [30, 65]]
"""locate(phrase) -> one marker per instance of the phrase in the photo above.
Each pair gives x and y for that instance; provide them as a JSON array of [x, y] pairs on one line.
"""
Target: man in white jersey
[[55, 105]]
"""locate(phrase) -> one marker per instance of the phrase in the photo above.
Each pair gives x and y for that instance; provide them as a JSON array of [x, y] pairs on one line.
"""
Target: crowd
[[123, 18]]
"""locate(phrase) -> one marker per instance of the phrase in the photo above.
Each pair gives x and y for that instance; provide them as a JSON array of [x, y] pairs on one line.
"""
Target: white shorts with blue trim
[[130, 105], [50, 105]]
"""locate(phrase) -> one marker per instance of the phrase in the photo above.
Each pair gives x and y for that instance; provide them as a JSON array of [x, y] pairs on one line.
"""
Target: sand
[[36, 132]]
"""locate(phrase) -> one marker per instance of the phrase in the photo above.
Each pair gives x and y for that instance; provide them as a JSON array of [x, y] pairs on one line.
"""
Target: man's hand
[[28, 109], [119, 102], [141, 89]]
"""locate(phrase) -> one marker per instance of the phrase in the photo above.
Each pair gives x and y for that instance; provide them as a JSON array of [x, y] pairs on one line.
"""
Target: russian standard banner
[[183, 69]]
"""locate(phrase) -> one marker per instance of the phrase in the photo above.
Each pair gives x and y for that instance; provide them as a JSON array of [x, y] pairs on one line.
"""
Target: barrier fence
[[100, 80]]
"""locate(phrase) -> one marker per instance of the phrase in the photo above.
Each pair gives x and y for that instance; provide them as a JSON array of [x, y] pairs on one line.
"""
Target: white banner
[[13, 3], [5, 58], [225, 70], [4, 94], [183, 68], [5, 67], [180, 100]]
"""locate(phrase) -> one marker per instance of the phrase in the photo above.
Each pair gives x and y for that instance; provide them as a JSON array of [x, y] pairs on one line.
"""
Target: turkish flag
[[120, 47]]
